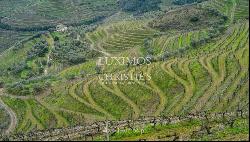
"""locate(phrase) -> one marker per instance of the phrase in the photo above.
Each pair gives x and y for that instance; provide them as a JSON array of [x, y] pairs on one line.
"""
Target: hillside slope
[[198, 62]]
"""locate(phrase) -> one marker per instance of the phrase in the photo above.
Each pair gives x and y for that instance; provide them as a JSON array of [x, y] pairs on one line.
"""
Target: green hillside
[[199, 62]]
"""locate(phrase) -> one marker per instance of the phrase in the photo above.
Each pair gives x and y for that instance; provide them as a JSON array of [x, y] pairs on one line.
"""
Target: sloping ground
[[9, 38], [187, 131], [39, 13], [8, 117], [234, 9], [242, 10], [22, 19], [121, 36], [178, 89], [4, 119], [211, 77], [202, 126], [186, 19]]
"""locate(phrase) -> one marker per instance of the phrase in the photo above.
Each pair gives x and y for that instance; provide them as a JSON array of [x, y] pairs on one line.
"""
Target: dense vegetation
[[194, 130], [139, 6], [72, 53], [4, 118], [26, 18], [32, 86], [189, 18], [199, 62], [182, 2]]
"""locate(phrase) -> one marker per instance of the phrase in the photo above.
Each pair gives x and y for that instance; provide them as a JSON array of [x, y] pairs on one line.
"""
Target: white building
[[61, 28]]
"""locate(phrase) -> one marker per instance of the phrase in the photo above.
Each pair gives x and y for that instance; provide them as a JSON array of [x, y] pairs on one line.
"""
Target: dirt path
[[13, 118], [51, 43], [91, 100], [34, 121], [126, 99], [244, 64], [186, 83], [217, 78], [116, 91], [85, 115], [233, 11], [160, 93], [139, 82], [99, 48], [61, 121], [184, 67], [76, 97]]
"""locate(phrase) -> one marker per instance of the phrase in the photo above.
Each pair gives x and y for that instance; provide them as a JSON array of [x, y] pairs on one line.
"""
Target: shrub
[[18, 68], [72, 53], [31, 86], [40, 49], [183, 2]]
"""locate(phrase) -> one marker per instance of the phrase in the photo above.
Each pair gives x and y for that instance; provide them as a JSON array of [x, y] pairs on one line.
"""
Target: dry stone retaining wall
[[109, 127]]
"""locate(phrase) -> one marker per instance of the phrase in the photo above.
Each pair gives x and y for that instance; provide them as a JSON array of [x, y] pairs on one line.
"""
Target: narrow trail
[[217, 79], [187, 71], [233, 11], [145, 84], [223, 50], [76, 97], [85, 115], [87, 93], [116, 91], [242, 92], [184, 66], [237, 78], [61, 121], [221, 90], [160, 93], [51, 43], [129, 101], [102, 50], [139, 82], [99, 48], [18, 97], [172, 104], [13, 118], [166, 43], [24, 126], [30, 116], [244, 64], [230, 91], [186, 83], [205, 61]]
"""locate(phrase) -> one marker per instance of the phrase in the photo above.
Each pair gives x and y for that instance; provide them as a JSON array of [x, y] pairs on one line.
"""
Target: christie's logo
[[128, 77], [125, 77]]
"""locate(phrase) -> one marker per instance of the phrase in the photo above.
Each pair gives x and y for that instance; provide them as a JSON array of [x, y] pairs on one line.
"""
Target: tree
[[40, 49], [56, 38]]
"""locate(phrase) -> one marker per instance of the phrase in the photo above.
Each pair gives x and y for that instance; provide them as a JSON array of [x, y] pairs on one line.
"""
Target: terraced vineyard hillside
[[58, 79]]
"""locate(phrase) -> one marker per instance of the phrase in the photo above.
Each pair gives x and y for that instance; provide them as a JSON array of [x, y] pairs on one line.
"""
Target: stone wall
[[109, 127]]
